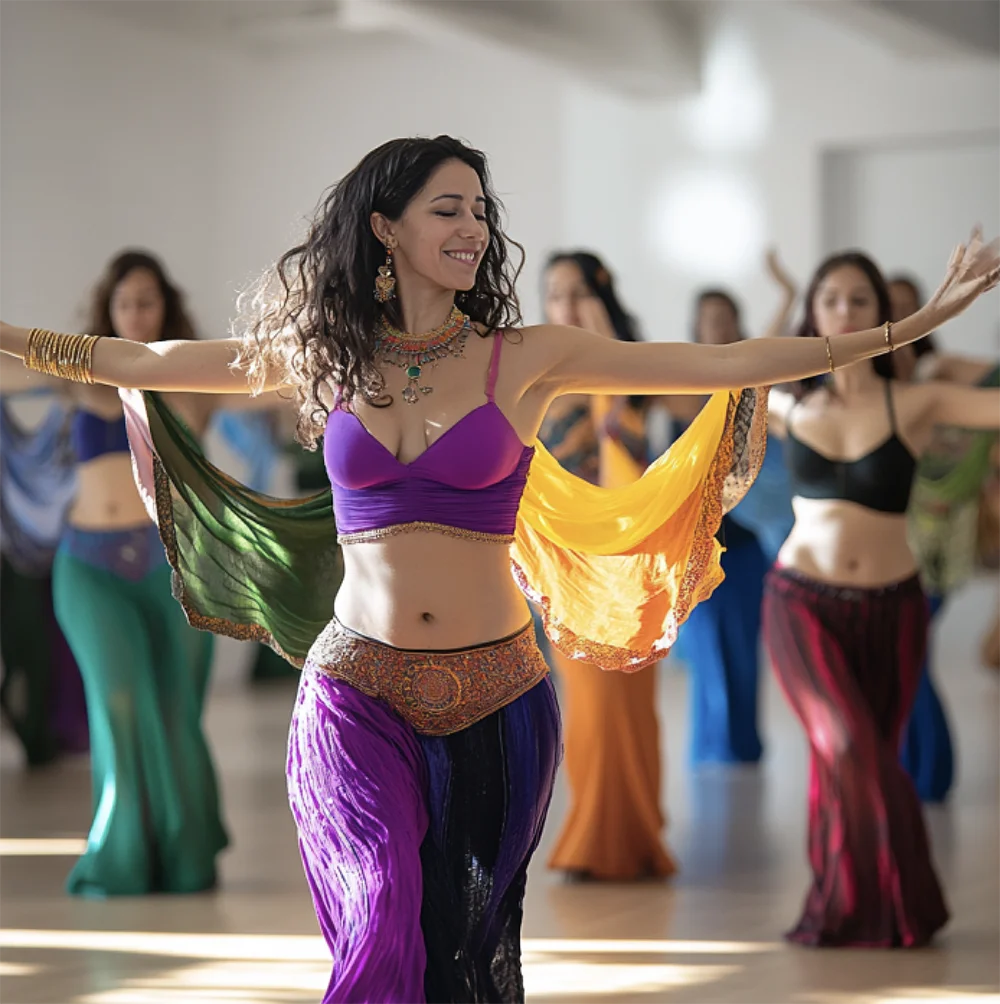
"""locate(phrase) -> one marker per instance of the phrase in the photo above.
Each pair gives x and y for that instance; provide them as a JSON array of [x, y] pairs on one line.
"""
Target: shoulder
[[535, 340]]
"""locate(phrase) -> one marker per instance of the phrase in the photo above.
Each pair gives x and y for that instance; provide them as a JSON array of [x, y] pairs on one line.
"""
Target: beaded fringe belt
[[436, 692]]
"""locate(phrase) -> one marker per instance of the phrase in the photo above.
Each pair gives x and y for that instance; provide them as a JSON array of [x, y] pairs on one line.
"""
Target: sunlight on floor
[[16, 969], [910, 995], [69, 847], [544, 978], [282, 948], [291, 982], [308, 948], [611, 946], [292, 968]]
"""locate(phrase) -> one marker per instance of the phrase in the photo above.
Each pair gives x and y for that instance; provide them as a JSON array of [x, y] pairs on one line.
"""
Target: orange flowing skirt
[[613, 830], [611, 751]]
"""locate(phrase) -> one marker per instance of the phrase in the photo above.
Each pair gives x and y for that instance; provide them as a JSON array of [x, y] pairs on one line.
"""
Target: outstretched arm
[[580, 362], [200, 367], [964, 407], [18, 379], [954, 369]]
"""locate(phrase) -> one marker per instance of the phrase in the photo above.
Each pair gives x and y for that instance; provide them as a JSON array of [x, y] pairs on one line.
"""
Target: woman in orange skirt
[[612, 750]]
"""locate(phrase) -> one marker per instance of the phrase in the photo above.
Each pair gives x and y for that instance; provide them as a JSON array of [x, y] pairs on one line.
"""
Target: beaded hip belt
[[436, 692]]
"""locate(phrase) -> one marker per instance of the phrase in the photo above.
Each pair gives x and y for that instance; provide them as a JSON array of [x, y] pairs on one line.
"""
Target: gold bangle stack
[[69, 357], [829, 354], [888, 336]]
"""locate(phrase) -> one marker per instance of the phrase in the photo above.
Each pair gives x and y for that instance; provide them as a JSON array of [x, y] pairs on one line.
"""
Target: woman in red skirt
[[845, 618]]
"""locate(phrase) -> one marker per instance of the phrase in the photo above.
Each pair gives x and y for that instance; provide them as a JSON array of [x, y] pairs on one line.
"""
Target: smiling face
[[137, 307], [442, 235], [845, 301]]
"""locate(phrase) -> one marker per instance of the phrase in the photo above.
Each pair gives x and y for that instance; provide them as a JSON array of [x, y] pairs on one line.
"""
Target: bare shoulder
[[536, 346]]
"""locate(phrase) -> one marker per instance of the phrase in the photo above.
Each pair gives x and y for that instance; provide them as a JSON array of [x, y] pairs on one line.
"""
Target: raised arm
[[576, 361], [778, 327], [199, 367]]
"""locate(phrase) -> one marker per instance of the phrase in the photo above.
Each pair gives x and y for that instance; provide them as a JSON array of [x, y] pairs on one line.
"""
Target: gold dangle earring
[[385, 281]]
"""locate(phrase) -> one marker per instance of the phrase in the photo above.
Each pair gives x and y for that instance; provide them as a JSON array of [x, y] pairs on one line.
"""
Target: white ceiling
[[928, 28], [210, 18], [640, 47], [646, 48]]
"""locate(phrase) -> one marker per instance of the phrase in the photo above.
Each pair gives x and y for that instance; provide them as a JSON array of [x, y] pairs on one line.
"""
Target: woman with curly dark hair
[[425, 736]]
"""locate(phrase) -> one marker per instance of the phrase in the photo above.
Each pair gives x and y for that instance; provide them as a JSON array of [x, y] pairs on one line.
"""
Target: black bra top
[[880, 480]]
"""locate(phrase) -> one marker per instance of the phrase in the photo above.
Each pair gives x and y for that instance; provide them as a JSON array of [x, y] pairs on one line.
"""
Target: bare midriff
[[425, 590], [106, 497], [843, 543]]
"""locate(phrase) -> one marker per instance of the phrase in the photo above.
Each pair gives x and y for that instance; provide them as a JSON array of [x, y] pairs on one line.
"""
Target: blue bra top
[[93, 436]]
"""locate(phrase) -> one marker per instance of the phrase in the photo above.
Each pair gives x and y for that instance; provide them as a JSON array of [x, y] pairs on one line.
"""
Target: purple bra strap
[[491, 380]]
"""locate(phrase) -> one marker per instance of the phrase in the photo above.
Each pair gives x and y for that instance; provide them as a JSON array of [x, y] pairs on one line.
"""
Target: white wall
[[908, 204], [782, 85], [117, 135], [108, 139], [293, 123]]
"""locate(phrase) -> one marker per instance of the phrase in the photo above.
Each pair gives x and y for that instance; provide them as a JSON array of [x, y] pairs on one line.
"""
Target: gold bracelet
[[888, 336], [829, 354], [69, 357]]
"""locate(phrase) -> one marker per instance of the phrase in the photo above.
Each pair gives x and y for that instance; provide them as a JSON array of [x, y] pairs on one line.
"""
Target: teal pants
[[157, 824]]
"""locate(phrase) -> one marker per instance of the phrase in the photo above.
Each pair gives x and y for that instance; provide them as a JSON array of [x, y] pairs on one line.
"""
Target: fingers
[[991, 279], [956, 256]]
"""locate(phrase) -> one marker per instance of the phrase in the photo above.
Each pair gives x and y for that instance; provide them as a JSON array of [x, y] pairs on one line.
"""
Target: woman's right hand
[[973, 270]]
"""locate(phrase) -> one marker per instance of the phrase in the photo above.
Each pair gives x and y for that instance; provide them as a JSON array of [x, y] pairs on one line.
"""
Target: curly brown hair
[[312, 317], [176, 320]]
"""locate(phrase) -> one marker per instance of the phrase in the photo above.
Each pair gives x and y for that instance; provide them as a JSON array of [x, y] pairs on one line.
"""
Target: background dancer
[[611, 736], [42, 692], [721, 640], [846, 618], [157, 824]]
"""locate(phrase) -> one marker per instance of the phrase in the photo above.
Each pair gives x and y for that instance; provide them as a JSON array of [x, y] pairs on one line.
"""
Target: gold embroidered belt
[[436, 692]]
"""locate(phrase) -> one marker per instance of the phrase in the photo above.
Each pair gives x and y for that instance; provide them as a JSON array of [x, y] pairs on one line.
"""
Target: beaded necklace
[[413, 352]]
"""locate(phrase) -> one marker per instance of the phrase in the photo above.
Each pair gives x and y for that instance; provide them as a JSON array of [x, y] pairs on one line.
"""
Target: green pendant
[[413, 372]]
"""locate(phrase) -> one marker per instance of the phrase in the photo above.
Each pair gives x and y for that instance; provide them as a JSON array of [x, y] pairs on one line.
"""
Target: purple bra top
[[469, 480]]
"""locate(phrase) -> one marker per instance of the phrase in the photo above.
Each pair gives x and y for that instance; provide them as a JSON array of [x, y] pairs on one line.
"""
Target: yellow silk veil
[[616, 570]]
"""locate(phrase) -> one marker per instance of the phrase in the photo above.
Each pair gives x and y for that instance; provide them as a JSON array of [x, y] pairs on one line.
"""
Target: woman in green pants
[[157, 825]]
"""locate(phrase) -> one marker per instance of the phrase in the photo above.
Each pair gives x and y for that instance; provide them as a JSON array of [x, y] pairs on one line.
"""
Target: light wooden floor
[[712, 934]]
